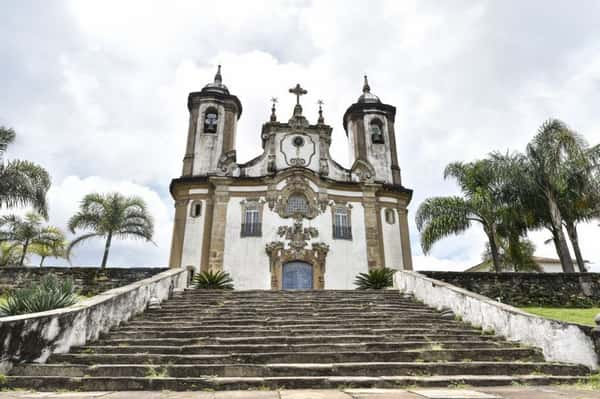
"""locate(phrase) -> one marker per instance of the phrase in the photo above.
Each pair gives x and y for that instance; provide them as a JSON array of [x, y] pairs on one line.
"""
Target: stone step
[[279, 335], [197, 369], [273, 320], [112, 340], [316, 357], [258, 329], [254, 348], [41, 383], [441, 323]]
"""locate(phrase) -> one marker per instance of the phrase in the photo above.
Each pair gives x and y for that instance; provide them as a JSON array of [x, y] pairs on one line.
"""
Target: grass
[[573, 315]]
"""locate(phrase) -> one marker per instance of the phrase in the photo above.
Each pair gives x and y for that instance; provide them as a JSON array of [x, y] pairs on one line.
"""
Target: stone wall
[[559, 341], [529, 289], [34, 337], [88, 280]]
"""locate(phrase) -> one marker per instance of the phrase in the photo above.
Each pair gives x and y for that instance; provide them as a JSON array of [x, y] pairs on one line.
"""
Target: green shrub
[[213, 280], [375, 279], [49, 293]]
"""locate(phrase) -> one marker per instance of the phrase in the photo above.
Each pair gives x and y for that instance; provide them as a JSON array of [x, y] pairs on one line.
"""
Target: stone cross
[[298, 91]]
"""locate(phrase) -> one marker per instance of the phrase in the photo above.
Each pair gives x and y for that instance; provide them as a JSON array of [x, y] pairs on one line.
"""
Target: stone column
[[405, 239], [188, 160], [178, 233], [219, 224], [372, 228]]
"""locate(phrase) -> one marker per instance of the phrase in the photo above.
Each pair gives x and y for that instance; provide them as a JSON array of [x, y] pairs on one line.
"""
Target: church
[[291, 218]]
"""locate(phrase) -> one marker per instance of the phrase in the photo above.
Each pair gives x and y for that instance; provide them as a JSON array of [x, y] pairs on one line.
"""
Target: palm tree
[[439, 217], [21, 182], [22, 233], [56, 248], [111, 215], [9, 255], [552, 156]]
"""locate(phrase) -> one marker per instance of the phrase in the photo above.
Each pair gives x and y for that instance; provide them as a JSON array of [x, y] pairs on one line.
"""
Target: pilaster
[[372, 235], [405, 239], [178, 233], [219, 223]]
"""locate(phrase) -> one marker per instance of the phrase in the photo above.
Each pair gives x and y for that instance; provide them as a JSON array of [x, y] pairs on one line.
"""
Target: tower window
[[297, 204], [211, 118], [251, 224], [341, 223], [390, 217], [376, 130], [196, 209]]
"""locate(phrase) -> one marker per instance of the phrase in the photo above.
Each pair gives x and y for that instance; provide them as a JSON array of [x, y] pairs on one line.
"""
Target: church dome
[[367, 96], [217, 85]]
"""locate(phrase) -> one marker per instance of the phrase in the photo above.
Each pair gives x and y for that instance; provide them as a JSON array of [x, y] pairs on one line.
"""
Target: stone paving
[[417, 393]]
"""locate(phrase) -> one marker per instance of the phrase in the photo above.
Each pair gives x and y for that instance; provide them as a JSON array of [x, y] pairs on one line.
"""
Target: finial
[[366, 87], [321, 120], [273, 116], [298, 91], [218, 77]]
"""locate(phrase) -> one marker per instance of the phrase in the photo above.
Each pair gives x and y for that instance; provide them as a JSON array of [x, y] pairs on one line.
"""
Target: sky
[[97, 91]]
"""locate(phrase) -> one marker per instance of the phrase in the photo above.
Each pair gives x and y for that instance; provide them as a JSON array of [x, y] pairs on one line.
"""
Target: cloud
[[97, 89]]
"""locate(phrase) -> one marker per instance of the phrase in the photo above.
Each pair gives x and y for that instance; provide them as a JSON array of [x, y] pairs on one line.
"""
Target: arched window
[[376, 130], [390, 217], [196, 209], [251, 220], [341, 223], [211, 118], [297, 204]]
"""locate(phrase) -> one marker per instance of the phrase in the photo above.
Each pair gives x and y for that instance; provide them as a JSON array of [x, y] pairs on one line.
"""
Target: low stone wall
[[564, 342], [88, 280], [529, 289], [34, 337]]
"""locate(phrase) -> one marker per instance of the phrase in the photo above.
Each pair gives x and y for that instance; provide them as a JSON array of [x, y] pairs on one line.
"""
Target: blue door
[[297, 276]]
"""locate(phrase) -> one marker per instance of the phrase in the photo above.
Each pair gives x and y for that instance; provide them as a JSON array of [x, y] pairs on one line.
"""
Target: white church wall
[[391, 241], [208, 147], [245, 258], [379, 155], [192, 239]]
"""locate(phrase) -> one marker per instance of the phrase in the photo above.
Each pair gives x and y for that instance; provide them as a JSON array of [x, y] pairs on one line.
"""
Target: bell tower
[[369, 125], [212, 128]]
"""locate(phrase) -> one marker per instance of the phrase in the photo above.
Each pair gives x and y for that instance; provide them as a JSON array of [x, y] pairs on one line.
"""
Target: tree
[[514, 256], [111, 215], [56, 248], [439, 217], [554, 155], [9, 255], [22, 233], [22, 183]]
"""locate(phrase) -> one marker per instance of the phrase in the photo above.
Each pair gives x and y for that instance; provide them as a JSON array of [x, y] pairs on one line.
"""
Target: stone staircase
[[224, 340]]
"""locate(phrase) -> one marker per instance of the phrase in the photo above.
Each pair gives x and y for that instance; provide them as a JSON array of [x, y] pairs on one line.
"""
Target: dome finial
[[321, 120], [366, 87], [273, 115], [218, 77]]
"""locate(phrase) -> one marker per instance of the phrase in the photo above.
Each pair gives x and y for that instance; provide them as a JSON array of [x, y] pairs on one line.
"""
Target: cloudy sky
[[97, 90]]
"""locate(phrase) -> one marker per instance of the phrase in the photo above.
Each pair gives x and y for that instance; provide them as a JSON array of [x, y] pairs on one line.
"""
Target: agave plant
[[375, 279], [49, 293], [213, 280]]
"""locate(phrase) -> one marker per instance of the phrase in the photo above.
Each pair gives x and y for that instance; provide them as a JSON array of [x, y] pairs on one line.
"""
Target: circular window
[[298, 141]]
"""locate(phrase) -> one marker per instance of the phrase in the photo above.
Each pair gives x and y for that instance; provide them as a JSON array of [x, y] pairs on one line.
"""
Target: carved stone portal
[[296, 250]]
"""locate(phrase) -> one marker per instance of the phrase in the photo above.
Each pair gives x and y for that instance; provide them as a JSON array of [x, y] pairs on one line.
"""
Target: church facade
[[291, 218]]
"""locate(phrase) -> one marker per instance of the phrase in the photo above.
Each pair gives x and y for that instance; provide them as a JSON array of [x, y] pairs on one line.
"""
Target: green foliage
[[9, 254], [22, 234], [111, 215], [49, 293], [213, 280], [375, 279], [572, 315], [22, 183]]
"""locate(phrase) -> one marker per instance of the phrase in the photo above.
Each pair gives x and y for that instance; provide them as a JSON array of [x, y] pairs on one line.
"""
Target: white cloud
[[97, 89]]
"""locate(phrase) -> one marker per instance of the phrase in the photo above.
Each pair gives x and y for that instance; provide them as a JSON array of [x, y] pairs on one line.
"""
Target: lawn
[[573, 315]]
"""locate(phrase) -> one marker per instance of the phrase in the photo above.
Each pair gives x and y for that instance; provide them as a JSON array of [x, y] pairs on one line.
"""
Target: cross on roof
[[298, 91]]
